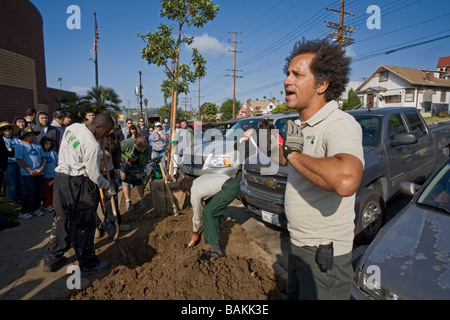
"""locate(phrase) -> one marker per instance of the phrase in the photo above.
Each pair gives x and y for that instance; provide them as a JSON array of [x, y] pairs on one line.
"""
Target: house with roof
[[444, 66], [391, 86], [257, 107]]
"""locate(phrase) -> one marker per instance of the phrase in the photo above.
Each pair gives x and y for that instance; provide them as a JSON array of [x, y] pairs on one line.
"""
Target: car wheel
[[370, 215]]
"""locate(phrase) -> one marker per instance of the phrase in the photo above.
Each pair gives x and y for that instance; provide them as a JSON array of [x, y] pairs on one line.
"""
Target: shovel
[[112, 229], [175, 209]]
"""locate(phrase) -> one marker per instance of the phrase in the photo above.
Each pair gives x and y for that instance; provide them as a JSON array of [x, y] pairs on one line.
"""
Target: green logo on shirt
[[73, 137]]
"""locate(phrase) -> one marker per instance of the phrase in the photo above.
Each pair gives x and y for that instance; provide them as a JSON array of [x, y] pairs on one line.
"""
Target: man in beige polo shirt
[[324, 152]]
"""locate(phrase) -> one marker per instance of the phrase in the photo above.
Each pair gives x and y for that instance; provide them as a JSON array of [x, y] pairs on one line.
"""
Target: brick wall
[[14, 102], [22, 55]]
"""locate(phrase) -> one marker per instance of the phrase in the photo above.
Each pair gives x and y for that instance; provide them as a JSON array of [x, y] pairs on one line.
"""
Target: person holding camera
[[324, 153], [135, 156], [76, 196]]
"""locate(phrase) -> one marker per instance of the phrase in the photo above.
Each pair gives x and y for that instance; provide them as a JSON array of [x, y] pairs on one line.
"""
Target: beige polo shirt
[[316, 216]]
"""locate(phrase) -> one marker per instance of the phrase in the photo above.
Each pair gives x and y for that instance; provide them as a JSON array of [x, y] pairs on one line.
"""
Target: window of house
[[443, 96], [393, 99], [383, 76], [409, 95]]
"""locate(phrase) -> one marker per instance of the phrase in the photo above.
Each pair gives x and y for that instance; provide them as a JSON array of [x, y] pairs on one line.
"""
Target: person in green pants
[[218, 191]]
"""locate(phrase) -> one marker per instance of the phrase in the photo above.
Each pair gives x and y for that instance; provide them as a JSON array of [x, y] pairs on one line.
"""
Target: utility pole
[[140, 92], [234, 73], [199, 118], [96, 51], [341, 35]]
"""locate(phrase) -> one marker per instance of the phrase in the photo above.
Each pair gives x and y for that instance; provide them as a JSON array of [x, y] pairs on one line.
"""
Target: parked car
[[219, 155], [410, 257], [398, 146]]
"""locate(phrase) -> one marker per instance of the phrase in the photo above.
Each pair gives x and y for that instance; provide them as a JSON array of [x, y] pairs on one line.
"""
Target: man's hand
[[111, 191], [194, 239], [294, 139], [268, 126]]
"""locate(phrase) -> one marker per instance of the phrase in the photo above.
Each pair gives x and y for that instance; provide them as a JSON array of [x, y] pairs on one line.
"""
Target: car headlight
[[220, 162], [374, 289]]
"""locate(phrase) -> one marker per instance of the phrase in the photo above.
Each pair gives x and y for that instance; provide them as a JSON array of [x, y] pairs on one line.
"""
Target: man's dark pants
[[75, 200], [216, 205], [307, 282]]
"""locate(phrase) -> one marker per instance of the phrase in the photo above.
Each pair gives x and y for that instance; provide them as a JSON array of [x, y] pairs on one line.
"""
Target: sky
[[266, 31]]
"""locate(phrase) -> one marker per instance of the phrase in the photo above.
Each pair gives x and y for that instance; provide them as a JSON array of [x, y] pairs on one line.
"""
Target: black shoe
[[55, 266], [98, 268], [9, 224], [214, 251]]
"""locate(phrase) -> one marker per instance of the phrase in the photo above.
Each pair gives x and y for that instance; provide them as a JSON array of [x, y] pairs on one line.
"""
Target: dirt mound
[[160, 266]]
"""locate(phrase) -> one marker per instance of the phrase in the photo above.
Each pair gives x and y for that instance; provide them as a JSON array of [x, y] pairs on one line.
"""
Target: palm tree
[[101, 100]]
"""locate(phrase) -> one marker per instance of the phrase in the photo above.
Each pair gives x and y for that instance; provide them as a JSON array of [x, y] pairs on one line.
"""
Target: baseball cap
[[157, 124], [26, 131], [58, 114]]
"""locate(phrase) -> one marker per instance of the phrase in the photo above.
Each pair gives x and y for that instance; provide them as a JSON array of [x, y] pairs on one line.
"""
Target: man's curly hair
[[330, 63], [186, 184]]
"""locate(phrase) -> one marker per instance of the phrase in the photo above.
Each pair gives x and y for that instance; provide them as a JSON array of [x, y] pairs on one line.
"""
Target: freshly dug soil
[[160, 266]]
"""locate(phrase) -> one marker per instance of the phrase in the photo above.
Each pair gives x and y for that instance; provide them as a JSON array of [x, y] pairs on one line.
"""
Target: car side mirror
[[408, 188], [403, 139]]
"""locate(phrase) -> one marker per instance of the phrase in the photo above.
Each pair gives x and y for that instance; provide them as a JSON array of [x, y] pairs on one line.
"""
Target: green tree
[[209, 111], [281, 108], [352, 101], [257, 111], [226, 109], [99, 100], [163, 49], [69, 102]]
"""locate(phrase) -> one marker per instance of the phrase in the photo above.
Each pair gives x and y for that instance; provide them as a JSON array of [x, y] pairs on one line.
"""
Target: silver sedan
[[410, 256]]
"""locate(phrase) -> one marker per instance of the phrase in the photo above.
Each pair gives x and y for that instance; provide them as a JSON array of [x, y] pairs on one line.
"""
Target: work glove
[[294, 139], [111, 191], [268, 126]]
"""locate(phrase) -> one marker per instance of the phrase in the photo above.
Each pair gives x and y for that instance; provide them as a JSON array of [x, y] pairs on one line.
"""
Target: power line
[[417, 44]]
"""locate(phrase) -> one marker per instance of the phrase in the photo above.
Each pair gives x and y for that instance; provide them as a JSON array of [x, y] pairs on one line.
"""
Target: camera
[[324, 257]]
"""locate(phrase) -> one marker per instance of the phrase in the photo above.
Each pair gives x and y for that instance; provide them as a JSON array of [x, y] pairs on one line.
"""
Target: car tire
[[370, 215]]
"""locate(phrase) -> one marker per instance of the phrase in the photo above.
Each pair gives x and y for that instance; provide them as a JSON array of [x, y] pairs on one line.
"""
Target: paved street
[[275, 240]]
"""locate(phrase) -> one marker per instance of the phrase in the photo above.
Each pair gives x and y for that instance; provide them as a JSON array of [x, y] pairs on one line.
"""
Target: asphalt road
[[275, 240]]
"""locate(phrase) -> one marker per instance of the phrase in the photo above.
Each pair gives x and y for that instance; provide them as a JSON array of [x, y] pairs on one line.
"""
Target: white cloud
[[349, 52], [209, 46]]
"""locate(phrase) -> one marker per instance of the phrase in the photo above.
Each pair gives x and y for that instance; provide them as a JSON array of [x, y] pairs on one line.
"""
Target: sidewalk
[[21, 263]]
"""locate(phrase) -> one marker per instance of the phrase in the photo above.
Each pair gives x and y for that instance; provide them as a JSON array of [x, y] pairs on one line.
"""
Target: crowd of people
[[322, 150], [33, 140], [49, 162]]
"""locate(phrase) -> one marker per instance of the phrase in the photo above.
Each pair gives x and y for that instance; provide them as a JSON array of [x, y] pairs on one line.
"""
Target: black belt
[[59, 174]]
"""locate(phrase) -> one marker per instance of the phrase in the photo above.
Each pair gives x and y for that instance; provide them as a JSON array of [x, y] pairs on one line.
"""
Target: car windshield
[[437, 193], [235, 132]]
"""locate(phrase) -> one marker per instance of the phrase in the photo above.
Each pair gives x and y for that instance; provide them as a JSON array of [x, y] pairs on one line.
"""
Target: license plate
[[270, 218]]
